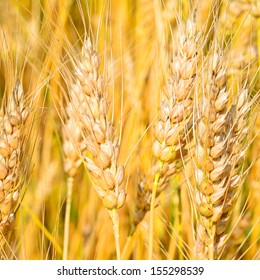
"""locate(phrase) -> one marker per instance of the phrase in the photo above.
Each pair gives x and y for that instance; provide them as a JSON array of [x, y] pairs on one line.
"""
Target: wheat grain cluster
[[130, 129]]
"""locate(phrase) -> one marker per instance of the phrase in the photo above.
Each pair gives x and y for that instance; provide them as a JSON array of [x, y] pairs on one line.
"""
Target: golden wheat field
[[129, 129]]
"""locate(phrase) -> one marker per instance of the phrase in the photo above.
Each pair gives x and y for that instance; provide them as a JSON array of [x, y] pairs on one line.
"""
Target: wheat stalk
[[98, 134], [171, 127]]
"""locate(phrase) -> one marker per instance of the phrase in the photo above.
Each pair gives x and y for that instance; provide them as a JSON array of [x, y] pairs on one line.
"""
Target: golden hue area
[[129, 129]]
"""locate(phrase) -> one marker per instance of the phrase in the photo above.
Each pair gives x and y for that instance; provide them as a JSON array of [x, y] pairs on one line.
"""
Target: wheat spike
[[100, 139], [12, 137], [90, 107], [219, 150], [174, 120]]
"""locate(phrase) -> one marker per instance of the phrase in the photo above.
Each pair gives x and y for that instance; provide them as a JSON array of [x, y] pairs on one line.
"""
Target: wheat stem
[[127, 248], [67, 217], [152, 207], [115, 220]]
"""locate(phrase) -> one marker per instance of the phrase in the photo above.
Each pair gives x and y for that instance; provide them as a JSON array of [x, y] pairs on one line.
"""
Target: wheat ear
[[73, 148], [175, 115], [99, 135], [220, 134], [12, 139]]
